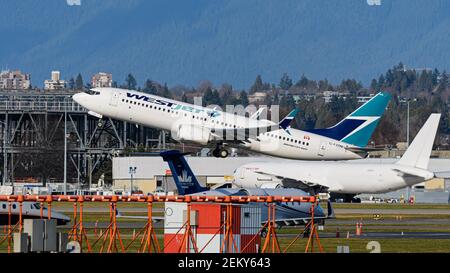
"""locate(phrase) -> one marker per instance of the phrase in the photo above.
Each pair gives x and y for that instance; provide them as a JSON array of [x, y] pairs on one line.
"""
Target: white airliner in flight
[[347, 177], [188, 122]]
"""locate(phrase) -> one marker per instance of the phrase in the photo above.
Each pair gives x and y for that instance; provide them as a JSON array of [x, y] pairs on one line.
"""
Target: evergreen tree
[[381, 82], [257, 86], [374, 84], [435, 77], [243, 98], [79, 82], [184, 98], [324, 85], [165, 92], [71, 84], [211, 97], [443, 82], [150, 87], [303, 82], [130, 82], [285, 82]]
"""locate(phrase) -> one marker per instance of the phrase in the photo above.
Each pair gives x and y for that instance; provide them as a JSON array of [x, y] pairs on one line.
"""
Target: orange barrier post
[[271, 237], [74, 232], [9, 226], [49, 207], [151, 235], [41, 210], [228, 241], [82, 232], [20, 200], [313, 233], [188, 237]]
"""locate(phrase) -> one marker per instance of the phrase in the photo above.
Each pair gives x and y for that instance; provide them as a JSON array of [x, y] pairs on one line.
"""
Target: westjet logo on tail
[[172, 105], [185, 179]]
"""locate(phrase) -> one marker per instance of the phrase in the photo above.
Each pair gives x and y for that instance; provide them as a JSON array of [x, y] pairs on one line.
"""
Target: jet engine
[[246, 177], [193, 133], [271, 186]]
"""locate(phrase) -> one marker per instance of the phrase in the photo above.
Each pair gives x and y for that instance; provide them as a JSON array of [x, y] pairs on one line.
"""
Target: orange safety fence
[[109, 239]]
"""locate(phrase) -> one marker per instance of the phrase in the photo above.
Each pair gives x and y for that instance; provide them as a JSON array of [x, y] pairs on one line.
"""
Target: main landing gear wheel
[[220, 152], [223, 153]]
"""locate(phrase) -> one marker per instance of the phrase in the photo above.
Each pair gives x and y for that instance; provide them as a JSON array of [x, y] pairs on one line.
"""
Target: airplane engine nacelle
[[247, 177], [274, 185], [194, 133]]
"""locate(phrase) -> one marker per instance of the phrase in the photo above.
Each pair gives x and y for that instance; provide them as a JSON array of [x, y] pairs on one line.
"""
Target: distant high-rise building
[[14, 80], [55, 83], [101, 79]]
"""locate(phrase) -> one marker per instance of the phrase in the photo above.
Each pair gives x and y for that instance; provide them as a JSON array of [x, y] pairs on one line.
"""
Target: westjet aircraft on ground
[[188, 122], [347, 177], [286, 213]]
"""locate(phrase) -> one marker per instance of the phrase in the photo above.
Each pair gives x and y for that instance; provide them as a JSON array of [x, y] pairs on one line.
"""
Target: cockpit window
[[92, 92]]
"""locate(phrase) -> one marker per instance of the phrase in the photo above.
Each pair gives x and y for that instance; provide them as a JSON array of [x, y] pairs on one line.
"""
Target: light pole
[[78, 164], [5, 156], [408, 189], [131, 171], [65, 146], [407, 126]]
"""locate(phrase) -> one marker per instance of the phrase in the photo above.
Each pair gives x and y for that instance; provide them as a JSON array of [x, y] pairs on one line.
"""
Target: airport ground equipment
[[109, 239]]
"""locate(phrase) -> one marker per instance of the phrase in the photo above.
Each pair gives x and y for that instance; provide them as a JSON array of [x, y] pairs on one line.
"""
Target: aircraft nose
[[79, 98]]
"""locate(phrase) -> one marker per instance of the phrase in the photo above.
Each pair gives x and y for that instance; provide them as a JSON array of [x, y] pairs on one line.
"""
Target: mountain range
[[187, 41]]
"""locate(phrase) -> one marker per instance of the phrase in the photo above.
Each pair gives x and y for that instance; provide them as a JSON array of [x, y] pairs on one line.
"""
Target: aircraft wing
[[295, 178], [444, 174], [258, 113], [242, 134], [363, 151], [409, 174], [281, 222], [155, 219]]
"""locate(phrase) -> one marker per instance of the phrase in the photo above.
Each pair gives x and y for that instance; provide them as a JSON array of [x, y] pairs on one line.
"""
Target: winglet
[[330, 209], [418, 153], [182, 174], [284, 124], [258, 113]]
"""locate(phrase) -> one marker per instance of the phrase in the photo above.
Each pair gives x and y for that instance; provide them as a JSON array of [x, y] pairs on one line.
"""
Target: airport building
[[101, 79], [14, 80], [55, 83]]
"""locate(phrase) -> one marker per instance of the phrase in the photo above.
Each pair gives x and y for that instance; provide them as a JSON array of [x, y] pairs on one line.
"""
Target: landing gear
[[220, 151]]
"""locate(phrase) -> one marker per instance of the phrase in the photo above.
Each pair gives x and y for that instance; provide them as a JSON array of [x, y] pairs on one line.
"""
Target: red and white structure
[[215, 227]]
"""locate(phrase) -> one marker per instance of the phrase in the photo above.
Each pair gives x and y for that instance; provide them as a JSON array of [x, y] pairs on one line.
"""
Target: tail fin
[[418, 153], [182, 174], [358, 127], [284, 123]]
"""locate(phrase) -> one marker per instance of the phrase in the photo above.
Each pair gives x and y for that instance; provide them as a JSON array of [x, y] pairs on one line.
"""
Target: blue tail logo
[[358, 127], [182, 174]]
